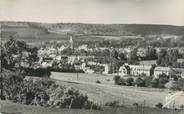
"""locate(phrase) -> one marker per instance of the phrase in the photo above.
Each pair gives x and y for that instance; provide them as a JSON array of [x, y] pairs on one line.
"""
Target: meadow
[[106, 91], [12, 108]]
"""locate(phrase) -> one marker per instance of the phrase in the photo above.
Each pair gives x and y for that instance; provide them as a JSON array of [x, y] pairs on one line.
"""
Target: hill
[[59, 31]]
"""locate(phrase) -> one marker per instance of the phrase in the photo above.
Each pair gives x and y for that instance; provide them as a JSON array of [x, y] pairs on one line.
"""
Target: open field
[[12, 108], [99, 93], [108, 92]]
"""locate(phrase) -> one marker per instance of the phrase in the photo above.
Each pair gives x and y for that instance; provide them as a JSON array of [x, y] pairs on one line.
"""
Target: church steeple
[[71, 42]]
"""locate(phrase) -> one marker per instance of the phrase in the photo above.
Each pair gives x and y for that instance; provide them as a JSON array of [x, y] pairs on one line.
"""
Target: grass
[[108, 92], [23, 109]]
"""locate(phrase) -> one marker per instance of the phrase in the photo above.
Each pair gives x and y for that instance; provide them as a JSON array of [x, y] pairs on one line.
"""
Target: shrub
[[154, 83], [147, 81], [119, 81], [40, 72], [98, 82], [112, 104], [178, 85], [116, 80], [122, 81], [181, 106], [91, 105], [129, 81], [139, 82], [136, 104], [41, 92], [159, 105], [162, 81]]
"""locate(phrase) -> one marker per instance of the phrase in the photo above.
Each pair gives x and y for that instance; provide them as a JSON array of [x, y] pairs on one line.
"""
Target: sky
[[170, 12]]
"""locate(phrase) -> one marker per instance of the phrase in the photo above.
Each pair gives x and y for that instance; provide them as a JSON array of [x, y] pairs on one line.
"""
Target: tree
[[151, 53], [162, 57], [163, 79], [167, 58], [122, 56], [114, 54], [133, 56]]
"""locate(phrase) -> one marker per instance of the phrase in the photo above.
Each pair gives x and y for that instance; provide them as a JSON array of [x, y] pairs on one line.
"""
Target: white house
[[179, 71], [134, 70], [124, 70], [140, 69], [161, 70]]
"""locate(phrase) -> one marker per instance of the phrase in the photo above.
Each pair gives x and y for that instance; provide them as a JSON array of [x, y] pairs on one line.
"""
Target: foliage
[[167, 57], [116, 80], [119, 81], [158, 105], [163, 79], [147, 81], [129, 81], [98, 82], [151, 53], [12, 53], [154, 83], [112, 104], [178, 85], [133, 56], [40, 72], [41, 92], [139, 82]]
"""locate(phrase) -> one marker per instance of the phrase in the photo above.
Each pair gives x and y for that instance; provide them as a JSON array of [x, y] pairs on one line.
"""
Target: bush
[[135, 104], [112, 104], [159, 105], [178, 85], [129, 81], [154, 83], [39, 72], [41, 92], [98, 82], [116, 80], [147, 81], [119, 81], [91, 105], [139, 82], [162, 81]]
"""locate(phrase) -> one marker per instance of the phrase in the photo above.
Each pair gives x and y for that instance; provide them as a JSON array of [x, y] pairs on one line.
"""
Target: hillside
[[58, 31]]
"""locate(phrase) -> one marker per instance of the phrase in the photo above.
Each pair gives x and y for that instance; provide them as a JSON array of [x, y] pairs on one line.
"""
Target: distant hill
[[58, 31]]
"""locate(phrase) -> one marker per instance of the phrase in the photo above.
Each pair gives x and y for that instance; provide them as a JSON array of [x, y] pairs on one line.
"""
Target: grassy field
[[12, 108], [101, 94], [108, 92]]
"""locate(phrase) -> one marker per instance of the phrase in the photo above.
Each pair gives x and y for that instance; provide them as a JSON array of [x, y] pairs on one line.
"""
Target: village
[[66, 58]]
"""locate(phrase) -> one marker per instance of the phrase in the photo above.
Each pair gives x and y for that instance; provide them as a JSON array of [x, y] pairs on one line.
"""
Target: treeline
[[163, 81], [119, 29], [109, 29], [14, 52]]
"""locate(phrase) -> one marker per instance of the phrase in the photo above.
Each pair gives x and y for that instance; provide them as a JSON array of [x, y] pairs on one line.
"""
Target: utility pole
[[173, 110], [1, 73]]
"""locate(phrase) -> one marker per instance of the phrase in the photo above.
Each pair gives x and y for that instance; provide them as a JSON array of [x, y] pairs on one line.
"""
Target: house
[[178, 71], [124, 70], [140, 69], [134, 70], [161, 70]]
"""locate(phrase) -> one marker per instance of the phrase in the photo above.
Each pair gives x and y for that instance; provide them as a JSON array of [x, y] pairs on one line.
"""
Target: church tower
[[71, 42]]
